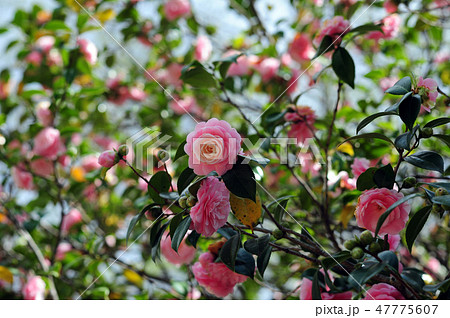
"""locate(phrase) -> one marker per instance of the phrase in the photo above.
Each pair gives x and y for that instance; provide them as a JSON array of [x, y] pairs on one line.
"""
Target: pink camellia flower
[[174, 9], [427, 89], [212, 146], [308, 164], [211, 211], [390, 27], [34, 289], [302, 127], [186, 105], [64, 160], [22, 178], [107, 159], [34, 58], [45, 43], [54, 58], [394, 241], [373, 203], [47, 143], [70, 219], [61, 250], [387, 82], [306, 293], [137, 94], [301, 48], [334, 28], [359, 166], [44, 114], [217, 278], [268, 68], [243, 65], [90, 163], [383, 291], [203, 48], [185, 255], [390, 6], [440, 57], [42, 167], [89, 50]]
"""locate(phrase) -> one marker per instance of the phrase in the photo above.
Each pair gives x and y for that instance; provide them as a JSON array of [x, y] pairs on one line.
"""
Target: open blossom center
[[211, 149]]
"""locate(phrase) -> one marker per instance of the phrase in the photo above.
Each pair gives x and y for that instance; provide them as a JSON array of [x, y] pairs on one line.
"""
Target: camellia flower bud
[[278, 234], [182, 202], [191, 201], [107, 159], [357, 253], [375, 247], [123, 150], [163, 155], [366, 237], [427, 132], [350, 244], [409, 182], [441, 191]]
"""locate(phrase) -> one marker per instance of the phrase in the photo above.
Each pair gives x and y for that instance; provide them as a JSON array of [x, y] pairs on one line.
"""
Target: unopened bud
[[278, 234], [123, 150], [427, 132], [366, 237], [409, 182], [182, 202], [357, 253], [375, 247], [191, 201], [350, 244]]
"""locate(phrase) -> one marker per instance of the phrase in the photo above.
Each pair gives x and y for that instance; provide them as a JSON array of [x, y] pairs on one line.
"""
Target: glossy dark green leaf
[[429, 160], [240, 180], [443, 199], [371, 118], [366, 28], [229, 251], [369, 136], [389, 258], [384, 177], [245, 263], [263, 260], [415, 225], [258, 245], [438, 122], [443, 286], [365, 180], [159, 182], [136, 219], [343, 66], [174, 222], [409, 109], [196, 75], [193, 238], [185, 179], [180, 232], [361, 275], [335, 259], [316, 294], [402, 87], [180, 151], [444, 138], [325, 45]]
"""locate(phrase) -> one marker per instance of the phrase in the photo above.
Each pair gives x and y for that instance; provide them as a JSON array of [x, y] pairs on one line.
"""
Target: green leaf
[[384, 177], [365, 180], [443, 286], [196, 75], [174, 222], [444, 138], [263, 162], [229, 251], [389, 258], [361, 275], [403, 141], [335, 259], [409, 109], [55, 25], [245, 263], [136, 219], [388, 211], [444, 185], [325, 45], [438, 122], [185, 179], [180, 232], [429, 160], [180, 151], [366, 28], [224, 64], [343, 66], [193, 238], [240, 180], [415, 225], [159, 182], [263, 260], [402, 87], [369, 136], [443, 199], [258, 245], [369, 119], [316, 294]]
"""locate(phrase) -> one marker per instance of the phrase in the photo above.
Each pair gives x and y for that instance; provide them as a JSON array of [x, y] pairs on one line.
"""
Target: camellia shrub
[[187, 149]]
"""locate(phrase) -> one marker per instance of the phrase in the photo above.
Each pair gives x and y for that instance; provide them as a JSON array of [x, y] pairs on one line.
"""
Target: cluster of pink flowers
[[174, 9], [302, 119], [373, 203], [390, 27], [43, 48], [212, 146], [89, 50], [334, 28], [120, 93], [213, 207], [217, 278], [427, 89], [34, 289], [48, 143], [185, 254]]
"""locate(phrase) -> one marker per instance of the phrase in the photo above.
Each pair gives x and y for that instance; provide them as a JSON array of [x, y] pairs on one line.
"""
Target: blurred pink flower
[[387, 82], [394, 241], [174, 9], [268, 68], [441, 57], [34, 58], [185, 255], [47, 143], [22, 178], [203, 48], [44, 114], [186, 105], [390, 26], [69, 220], [390, 6], [217, 278], [4, 89], [61, 250], [373, 203], [335, 28], [383, 291], [212, 146], [42, 167], [302, 127], [359, 166], [90, 163], [54, 58], [137, 94], [45, 43], [301, 48], [293, 81], [243, 65], [89, 50], [34, 289], [211, 211], [427, 89]]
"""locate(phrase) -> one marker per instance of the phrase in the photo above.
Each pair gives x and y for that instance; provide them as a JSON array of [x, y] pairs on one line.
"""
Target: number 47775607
[[407, 309]]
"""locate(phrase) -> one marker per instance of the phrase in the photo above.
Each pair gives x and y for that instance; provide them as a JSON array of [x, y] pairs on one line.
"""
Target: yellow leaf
[[105, 15], [245, 210], [6, 275], [346, 148], [133, 277], [347, 214]]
